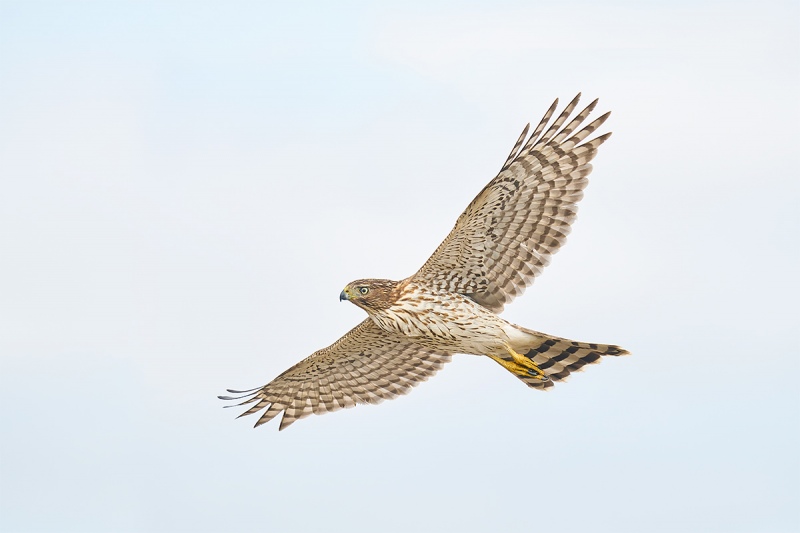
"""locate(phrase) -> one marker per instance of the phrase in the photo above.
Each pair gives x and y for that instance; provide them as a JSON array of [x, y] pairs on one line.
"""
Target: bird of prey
[[500, 243]]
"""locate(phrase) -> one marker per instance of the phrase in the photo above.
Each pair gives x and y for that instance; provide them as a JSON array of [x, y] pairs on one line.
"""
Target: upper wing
[[367, 365], [505, 237]]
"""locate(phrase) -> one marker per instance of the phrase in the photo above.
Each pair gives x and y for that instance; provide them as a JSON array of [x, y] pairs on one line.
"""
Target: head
[[370, 294]]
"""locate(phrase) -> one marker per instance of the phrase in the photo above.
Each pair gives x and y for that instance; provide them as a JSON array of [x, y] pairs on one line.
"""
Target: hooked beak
[[344, 295]]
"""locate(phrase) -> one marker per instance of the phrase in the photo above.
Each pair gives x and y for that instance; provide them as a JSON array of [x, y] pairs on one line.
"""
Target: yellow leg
[[520, 365]]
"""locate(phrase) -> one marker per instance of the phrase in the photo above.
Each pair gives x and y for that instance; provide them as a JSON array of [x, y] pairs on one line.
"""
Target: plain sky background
[[185, 188]]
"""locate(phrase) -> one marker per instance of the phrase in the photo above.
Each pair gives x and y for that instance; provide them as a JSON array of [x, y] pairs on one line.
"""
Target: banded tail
[[558, 358]]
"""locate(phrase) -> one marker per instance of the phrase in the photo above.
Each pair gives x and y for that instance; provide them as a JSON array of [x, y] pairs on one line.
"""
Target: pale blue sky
[[185, 188]]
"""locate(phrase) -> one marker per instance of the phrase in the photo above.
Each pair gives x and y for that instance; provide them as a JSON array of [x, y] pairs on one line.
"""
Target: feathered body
[[452, 322], [438, 319]]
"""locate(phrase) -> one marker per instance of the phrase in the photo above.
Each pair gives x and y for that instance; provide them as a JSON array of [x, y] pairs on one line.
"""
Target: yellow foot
[[520, 365]]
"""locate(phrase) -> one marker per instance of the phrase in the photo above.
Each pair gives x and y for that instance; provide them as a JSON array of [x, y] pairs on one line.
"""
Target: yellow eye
[[363, 290]]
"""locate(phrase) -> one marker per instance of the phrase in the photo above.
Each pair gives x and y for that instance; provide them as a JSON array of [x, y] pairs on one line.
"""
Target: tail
[[558, 358]]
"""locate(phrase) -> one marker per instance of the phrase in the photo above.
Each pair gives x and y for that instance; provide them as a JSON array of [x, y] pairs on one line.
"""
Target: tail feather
[[559, 358]]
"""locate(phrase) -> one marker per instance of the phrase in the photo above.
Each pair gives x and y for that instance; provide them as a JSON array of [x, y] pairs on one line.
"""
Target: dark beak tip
[[342, 296]]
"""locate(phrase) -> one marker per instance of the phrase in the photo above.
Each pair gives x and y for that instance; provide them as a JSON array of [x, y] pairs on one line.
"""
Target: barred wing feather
[[366, 365], [507, 234]]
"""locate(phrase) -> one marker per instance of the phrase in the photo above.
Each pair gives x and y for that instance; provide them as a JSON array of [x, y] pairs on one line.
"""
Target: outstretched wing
[[505, 237], [367, 365]]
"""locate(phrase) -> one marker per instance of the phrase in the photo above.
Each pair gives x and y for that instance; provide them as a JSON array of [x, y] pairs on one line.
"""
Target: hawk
[[500, 243]]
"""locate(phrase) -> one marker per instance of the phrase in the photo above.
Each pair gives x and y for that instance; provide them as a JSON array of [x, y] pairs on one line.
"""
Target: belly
[[456, 325]]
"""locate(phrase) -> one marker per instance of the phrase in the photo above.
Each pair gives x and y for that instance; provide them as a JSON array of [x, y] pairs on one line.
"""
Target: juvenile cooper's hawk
[[499, 244]]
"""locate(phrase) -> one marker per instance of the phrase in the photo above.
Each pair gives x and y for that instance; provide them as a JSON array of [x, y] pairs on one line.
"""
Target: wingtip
[[234, 391], [244, 394]]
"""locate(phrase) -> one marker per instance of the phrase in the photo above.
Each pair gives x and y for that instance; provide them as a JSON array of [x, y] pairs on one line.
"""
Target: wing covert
[[366, 365], [507, 234]]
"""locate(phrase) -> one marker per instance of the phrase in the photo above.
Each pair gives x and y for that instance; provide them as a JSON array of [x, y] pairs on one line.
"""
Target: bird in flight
[[500, 243]]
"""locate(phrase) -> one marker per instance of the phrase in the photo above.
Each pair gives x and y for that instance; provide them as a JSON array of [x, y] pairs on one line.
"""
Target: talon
[[538, 374], [521, 365], [528, 364]]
